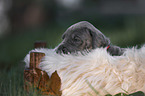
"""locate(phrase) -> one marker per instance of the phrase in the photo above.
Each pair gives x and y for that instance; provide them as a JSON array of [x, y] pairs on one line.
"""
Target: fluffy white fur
[[106, 73]]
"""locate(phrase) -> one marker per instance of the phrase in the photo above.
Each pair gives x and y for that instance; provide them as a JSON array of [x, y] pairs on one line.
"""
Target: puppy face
[[75, 40], [81, 36]]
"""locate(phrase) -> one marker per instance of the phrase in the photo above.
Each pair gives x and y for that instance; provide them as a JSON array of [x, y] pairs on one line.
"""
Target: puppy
[[83, 36]]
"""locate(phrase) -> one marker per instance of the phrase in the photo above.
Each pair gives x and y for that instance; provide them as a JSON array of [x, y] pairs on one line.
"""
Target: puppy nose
[[62, 49]]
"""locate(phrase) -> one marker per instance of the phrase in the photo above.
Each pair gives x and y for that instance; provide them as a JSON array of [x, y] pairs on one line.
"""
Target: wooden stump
[[37, 80], [40, 44]]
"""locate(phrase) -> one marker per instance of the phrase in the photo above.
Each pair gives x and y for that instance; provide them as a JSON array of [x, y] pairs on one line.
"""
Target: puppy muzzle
[[62, 49]]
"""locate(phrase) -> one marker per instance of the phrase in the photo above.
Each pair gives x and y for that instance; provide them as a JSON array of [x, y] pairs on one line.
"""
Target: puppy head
[[81, 36]]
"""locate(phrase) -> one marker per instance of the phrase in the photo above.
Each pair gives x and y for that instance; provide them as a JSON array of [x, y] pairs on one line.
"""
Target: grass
[[13, 85]]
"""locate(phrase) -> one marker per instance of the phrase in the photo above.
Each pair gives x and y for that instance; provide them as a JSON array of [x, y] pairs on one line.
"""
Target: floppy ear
[[98, 39]]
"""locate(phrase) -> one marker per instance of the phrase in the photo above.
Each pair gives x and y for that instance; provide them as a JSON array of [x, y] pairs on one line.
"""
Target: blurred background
[[22, 22]]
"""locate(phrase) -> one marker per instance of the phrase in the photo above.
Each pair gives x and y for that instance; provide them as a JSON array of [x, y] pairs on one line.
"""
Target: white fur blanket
[[106, 73]]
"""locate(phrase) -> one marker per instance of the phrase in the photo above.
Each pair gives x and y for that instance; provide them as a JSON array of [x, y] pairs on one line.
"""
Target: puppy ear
[[98, 39]]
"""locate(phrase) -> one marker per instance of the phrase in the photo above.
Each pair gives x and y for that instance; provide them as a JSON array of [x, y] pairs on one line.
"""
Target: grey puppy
[[84, 36]]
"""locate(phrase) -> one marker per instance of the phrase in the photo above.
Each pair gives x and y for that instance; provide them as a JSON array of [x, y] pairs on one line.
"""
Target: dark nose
[[62, 49]]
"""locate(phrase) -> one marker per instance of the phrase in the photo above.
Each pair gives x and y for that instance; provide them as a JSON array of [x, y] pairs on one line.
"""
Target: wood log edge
[[37, 80]]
